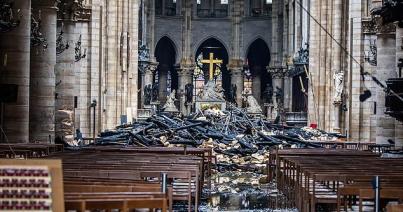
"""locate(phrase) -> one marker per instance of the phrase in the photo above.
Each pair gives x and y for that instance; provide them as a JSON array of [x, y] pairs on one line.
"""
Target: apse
[[258, 59], [166, 76]]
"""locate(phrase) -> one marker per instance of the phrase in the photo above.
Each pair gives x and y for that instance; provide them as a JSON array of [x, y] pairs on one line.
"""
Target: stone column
[[14, 69], [65, 83], [399, 55], [277, 75], [336, 66], [185, 74], [162, 83], [147, 78], [237, 79], [256, 83], [42, 82], [150, 12], [386, 58]]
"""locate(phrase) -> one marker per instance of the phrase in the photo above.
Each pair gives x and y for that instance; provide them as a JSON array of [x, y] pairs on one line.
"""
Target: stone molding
[[73, 10], [277, 72]]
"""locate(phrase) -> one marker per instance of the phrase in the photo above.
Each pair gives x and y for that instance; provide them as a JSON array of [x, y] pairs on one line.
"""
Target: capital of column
[[279, 72], [185, 72], [73, 10], [152, 67], [185, 68]]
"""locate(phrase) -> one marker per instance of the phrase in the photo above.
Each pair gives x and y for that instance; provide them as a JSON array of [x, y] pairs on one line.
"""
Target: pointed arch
[[200, 43], [166, 75], [261, 44]]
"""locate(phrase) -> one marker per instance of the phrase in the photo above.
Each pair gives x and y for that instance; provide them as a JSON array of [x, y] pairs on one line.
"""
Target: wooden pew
[[125, 170]]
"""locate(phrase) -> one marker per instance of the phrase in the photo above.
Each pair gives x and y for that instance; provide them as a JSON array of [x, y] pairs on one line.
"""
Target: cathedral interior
[[231, 95]]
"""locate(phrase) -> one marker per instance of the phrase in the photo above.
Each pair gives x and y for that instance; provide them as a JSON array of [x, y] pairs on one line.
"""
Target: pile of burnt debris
[[238, 139]]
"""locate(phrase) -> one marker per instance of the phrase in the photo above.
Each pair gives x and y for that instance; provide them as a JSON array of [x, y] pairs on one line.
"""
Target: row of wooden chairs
[[28, 150], [114, 178], [335, 177]]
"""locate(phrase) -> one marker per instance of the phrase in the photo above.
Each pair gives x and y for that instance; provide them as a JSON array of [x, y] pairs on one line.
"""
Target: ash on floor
[[241, 191]]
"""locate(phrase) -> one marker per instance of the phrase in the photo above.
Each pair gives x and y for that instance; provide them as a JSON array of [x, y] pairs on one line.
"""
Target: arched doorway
[[259, 79], [212, 47], [166, 75]]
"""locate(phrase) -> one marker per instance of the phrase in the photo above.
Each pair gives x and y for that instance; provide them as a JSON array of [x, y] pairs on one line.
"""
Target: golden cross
[[211, 61]]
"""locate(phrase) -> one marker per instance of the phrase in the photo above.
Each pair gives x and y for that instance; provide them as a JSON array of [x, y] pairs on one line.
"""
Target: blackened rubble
[[237, 138]]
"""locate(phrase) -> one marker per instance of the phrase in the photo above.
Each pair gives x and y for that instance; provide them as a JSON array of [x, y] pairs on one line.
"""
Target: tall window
[[212, 8]]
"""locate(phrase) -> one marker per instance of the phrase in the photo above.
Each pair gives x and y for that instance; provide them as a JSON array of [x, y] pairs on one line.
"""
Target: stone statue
[[268, 94], [253, 105], [279, 96], [189, 93], [232, 96], [147, 94], [338, 86], [170, 103], [155, 90], [211, 92]]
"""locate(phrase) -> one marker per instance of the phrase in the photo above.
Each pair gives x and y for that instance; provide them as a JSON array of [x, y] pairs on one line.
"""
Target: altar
[[212, 95]]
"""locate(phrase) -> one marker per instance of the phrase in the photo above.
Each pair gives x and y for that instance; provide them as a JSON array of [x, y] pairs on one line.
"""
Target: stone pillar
[[386, 59], [65, 83], [42, 82], [277, 75], [237, 79], [336, 66], [256, 83], [162, 83], [185, 74], [150, 12], [399, 55], [147, 78], [14, 69]]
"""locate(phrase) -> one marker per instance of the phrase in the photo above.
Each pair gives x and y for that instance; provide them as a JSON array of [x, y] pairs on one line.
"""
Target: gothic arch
[[252, 41], [196, 47], [172, 42], [258, 58], [166, 74]]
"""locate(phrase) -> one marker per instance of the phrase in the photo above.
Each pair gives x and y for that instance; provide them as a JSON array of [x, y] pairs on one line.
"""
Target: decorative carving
[[211, 92], [8, 20], [278, 72], [339, 87], [302, 56], [253, 105], [144, 52], [369, 26], [170, 103], [37, 38], [78, 52], [371, 55], [300, 61], [70, 9], [60, 45]]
